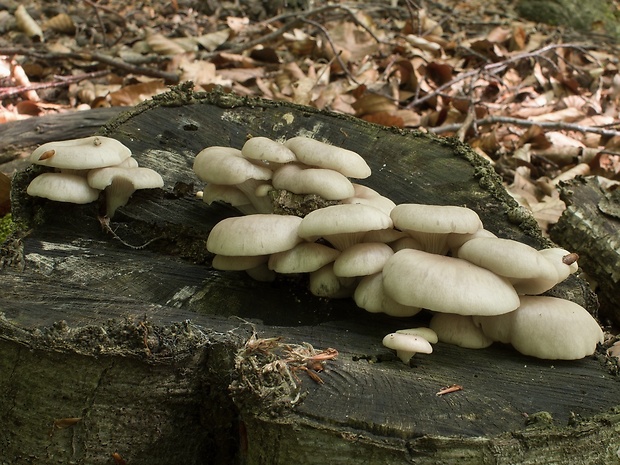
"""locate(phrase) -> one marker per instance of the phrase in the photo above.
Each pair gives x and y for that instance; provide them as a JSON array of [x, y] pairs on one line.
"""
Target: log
[[590, 226], [151, 354]]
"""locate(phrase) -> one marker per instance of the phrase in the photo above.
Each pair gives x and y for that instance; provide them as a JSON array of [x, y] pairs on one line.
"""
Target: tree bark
[[590, 226], [153, 355]]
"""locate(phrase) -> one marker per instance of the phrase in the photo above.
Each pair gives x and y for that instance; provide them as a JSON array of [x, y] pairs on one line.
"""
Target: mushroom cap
[[369, 295], [138, 177], [555, 256], [85, 153], [368, 196], [443, 219], [506, 257], [258, 234], [326, 183], [263, 148], [406, 345], [316, 153], [303, 258], [63, 187], [426, 333], [324, 283], [362, 259], [459, 330], [225, 165], [120, 183], [343, 224], [554, 329], [227, 194], [446, 284], [431, 225]]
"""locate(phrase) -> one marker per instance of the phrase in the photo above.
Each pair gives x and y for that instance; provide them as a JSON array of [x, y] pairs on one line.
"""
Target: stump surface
[[142, 346]]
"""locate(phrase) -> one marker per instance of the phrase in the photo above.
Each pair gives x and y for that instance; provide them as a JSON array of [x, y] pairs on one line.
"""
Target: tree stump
[[590, 226], [150, 354]]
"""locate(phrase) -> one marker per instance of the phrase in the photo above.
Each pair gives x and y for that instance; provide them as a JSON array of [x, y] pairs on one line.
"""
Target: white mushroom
[[362, 259], [120, 183], [63, 187], [459, 330], [259, 234], [446, 284], [343, 225], [265, 149], [79, 154], [225, 165], [528, 270], [369, 295], [546, 327], [303, 258], [296, 178], [432, 225], [316, 153], [407, 345]]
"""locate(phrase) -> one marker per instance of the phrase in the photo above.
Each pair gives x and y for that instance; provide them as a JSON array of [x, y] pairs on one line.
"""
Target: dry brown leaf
[[384, 118], [566, 115], [237, 24], [135, 93], [164, 46], [213, 40]]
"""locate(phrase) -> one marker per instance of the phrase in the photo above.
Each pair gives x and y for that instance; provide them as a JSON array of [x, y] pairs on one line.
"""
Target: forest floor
[[539, 102]]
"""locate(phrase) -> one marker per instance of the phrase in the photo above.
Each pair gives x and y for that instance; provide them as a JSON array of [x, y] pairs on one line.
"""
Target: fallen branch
[[554, 125], [170, 78], [6, 92]]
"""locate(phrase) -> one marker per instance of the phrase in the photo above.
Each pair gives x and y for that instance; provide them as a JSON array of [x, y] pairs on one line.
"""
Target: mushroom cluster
[[85, 167], [395, 259]]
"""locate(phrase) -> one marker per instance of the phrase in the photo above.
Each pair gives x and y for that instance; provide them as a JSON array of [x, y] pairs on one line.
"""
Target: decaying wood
[[146, 351], [590, 226]]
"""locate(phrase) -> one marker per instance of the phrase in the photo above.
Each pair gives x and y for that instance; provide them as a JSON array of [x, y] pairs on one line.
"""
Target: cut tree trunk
[[590, 226], [151, 354]]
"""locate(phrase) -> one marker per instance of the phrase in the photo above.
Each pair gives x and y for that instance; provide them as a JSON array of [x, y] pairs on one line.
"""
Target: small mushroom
[[120, 183], [362, 259], [329, 184], [370, 295], [528, 270], [368, 196], [432, 225], [259, 234], [63, 187], [426, 333], [459, 330], [265, 149], [316, 153], [225, 165], [303, 258], [407, 345], [343, 225], [324, 283]]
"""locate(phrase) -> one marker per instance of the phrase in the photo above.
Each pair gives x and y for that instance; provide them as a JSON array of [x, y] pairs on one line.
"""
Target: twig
[[100, 21], [526, 123], [253, 43], [6, 92], [468, 123], [105, 224], [336, 52], [170, 78]]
